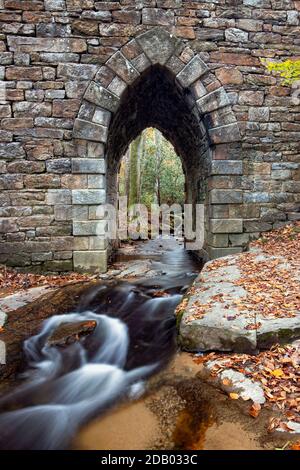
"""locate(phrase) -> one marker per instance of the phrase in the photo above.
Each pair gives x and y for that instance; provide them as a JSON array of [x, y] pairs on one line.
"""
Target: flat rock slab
[[212, 321], [230, 380], [20, 299]]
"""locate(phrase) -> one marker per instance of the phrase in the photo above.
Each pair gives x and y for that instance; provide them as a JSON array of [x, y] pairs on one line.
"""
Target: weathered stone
[[101, 97], [256, 197], [192, 71], [223, 134], [11, 150], [24, 73], [226, 226], [76, 71], [96, 181], [256, 226], [58, 265], [88, 196], [229, 76], [60, 165], [158, 16], [226, 196], [252, 98], [32, 5], [236, 35], [90, 261], [65, 108], [21, 166], [8, 225], [31, 44], [90, 131], [261, 114], [227, 167], [123, 67], [52, 30], [118, 86], [91, 227], [239, 239], [58, 196], [214, 100], [158, 45], [88, 165]]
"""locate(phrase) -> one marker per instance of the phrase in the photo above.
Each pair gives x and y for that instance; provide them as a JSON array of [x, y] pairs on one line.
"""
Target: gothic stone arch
[[145, 84]]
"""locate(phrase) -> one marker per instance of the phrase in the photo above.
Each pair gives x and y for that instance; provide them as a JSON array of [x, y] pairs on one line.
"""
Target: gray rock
[[194, 69], [90, 131], [88, 165], [76, 71], [98, 95], [236, 35], [226, 196], [226, 225], [238, 383], [123, 68], [88, 196], [214, 100], [158, 45]]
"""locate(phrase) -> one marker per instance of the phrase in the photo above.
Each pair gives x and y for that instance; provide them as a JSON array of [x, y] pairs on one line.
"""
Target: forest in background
[[151, 171]]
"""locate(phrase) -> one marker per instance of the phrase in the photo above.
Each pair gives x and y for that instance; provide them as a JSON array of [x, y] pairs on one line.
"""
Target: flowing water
[[134, 337]]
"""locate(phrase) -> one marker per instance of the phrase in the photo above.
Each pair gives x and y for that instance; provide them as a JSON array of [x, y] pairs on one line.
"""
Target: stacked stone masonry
[[77, 81]]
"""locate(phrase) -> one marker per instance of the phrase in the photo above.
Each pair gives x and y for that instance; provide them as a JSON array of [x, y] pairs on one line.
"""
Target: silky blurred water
[[134, 337]]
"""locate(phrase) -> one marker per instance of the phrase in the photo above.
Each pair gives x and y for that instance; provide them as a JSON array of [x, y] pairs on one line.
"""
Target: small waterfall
[[72, 396]]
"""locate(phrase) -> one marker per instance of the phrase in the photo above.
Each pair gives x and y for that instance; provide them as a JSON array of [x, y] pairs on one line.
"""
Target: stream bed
[[103, 370]]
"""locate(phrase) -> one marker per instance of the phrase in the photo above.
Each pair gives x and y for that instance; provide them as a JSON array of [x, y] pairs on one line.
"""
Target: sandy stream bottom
[[179, 411]]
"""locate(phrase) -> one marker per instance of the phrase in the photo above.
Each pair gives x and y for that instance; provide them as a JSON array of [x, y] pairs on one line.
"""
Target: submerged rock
[[68, 333]]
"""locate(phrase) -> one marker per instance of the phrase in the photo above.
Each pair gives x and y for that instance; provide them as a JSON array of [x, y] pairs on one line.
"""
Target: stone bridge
[[80, 79]]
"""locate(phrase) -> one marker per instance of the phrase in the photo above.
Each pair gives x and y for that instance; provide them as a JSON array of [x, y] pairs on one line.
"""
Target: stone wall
[[77, 81]]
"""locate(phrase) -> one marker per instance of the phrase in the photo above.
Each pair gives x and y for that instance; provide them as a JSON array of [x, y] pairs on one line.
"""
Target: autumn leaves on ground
[[272, 292]]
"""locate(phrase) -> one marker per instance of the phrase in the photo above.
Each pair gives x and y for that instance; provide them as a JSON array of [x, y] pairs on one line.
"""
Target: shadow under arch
[[144, 84], [156, 99]]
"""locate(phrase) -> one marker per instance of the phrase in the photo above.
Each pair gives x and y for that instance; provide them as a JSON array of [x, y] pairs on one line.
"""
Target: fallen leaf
[[255, 410], [234, 396], [277, 372]]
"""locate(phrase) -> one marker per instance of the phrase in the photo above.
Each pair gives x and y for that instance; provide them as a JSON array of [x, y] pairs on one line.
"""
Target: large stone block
[[214, 100], [31, 44], [226, 225], [90, 227], [98, 95], [194, 69], [76, 71], [227, 167], [88, 196], [225, 134], [89, 131], [158, 16], [123, 68], [226, 196], [58, 196], [88, 165], [158, 45], [256, 226], [90, 261], [214, 253]]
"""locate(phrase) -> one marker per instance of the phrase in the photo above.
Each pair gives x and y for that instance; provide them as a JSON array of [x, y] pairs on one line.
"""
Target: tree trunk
[[134, 171]]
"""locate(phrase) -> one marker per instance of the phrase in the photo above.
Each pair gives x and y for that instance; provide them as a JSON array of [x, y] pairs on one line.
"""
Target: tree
[[154, 171]]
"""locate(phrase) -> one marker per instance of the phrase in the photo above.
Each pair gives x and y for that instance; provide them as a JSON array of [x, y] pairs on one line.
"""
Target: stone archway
[[151, 81]]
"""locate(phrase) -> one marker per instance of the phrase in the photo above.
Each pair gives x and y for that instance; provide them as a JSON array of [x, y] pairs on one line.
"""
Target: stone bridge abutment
[[82, 79]]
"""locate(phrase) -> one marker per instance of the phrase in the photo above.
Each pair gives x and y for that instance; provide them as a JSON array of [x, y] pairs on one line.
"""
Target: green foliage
[[289, 70], [161, 178]]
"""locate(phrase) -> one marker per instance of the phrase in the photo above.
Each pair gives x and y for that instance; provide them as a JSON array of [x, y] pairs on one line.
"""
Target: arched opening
[[143, 85], [151, 172], [156, 99]]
